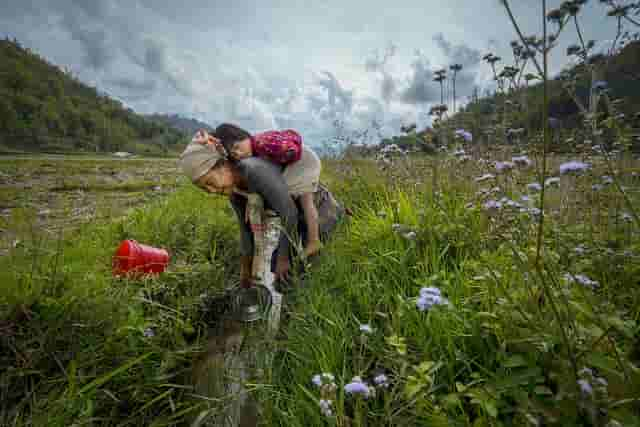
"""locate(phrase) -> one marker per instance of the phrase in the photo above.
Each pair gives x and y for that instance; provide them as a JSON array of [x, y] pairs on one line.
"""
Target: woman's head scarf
[[198, 159]]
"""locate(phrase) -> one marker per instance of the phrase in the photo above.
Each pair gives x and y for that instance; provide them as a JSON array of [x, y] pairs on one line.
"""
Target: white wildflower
[[485, 177], [381, 381], [325, 407], [582, 280], [554, 180], [366, 328]]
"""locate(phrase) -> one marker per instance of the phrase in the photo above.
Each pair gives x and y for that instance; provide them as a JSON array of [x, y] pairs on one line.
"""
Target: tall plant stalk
[[539, 260]]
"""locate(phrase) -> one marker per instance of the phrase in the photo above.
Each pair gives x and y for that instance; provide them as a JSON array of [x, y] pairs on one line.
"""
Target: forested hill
[[622, 76], [45, 109], [186, 125]]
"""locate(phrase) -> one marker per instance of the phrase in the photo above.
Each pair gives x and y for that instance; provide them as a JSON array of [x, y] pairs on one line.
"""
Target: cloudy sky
[[279, 63]]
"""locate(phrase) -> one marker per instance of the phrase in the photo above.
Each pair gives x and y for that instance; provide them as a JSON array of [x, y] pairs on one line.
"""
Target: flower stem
[[515, 25]]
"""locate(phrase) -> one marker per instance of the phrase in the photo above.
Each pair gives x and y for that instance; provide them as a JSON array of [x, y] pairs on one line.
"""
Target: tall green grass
[[79, 346], [76, 342], [495, 355]]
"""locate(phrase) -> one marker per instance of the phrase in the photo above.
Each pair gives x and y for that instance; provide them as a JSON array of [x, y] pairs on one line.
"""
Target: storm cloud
[[273, 63], [421, 88]]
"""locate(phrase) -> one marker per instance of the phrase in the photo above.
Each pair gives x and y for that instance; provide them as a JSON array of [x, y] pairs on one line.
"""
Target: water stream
[[231, 357]]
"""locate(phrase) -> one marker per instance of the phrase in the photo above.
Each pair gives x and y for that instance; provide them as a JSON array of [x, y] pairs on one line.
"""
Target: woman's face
[[219, 180]]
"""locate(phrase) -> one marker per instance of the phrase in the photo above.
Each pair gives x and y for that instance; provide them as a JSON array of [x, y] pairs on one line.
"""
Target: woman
[[209, 169]]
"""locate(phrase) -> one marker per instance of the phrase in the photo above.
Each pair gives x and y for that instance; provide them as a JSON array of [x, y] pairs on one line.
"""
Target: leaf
[[103, 379], [398, 343], [522, 377], [490, 407], [515, 361], [72, 376], [412, 387], [541, 390], [605, 363], [451, 401], [619, 324], [424, 367], [482, 314]]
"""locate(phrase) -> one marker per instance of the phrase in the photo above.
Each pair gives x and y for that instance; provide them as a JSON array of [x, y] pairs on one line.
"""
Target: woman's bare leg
[[311, 218]]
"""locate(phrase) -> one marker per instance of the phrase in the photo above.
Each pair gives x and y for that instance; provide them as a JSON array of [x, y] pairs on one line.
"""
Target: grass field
[[45, 195], [436, 294]]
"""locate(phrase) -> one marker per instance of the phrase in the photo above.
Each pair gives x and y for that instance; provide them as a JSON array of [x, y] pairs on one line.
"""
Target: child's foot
[[312, 248]]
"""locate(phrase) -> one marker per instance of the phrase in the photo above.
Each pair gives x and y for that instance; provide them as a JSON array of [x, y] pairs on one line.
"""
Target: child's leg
[[311, 218]]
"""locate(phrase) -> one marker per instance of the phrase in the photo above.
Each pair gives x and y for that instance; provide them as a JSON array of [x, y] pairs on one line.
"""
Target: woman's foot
[[312, 248]]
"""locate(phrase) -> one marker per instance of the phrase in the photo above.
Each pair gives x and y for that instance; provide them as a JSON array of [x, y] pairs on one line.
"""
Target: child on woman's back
[[281, 147]]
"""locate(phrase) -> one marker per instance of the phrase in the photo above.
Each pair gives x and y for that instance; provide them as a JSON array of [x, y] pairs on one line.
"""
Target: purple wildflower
[[324, 378], [381, 380], [430, 291], [607, 180], [521, 161], [585, 387], [504, 166], [509, 203], [599, 85], [554, 123], [582, 280], [357, 386], [492, 205], [467, 136], [429, 297], [573, 166], [534, 186], [534, 211], [149, 333]]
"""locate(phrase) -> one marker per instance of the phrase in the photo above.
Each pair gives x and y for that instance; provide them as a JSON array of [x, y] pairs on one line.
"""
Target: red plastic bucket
[[138, 259]]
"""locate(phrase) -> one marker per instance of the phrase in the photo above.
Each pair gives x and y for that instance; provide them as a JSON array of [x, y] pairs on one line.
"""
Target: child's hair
[[229, 134]]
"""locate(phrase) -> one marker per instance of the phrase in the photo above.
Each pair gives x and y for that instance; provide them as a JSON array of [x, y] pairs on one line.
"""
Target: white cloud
[[279, 63]]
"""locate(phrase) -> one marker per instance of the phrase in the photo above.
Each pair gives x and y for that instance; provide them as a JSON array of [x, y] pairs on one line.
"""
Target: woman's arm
[[239, 205], [266, 179]]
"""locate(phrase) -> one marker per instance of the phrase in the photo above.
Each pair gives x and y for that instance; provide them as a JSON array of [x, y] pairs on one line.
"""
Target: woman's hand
[[282, 268], [245, 271], [203, 137]]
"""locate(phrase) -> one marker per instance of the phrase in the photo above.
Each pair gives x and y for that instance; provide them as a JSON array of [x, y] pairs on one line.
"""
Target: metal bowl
[[252, 304]]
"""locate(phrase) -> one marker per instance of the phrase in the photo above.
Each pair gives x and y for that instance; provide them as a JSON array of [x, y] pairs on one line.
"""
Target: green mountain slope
[[622, 77], [45, 109], [183, 124]]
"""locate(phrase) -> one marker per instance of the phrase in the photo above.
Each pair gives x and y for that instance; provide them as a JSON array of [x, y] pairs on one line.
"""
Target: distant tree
[[18, 78], [456, 68]]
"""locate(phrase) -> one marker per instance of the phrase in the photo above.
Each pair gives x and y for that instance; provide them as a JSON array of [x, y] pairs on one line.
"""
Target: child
[[280, 147]]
